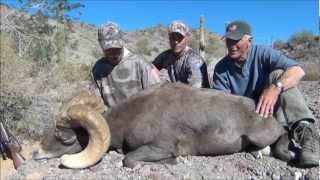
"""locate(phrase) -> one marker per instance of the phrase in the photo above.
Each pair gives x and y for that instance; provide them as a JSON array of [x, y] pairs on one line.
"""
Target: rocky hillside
[[80, 52], [305, 47], [82, 45], [148, 42]]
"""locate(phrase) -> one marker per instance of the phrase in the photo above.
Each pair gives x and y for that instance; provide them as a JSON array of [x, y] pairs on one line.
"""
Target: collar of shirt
[[126, 52]]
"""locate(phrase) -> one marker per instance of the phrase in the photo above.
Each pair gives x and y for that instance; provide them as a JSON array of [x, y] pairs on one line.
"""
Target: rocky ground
[[236, 166]]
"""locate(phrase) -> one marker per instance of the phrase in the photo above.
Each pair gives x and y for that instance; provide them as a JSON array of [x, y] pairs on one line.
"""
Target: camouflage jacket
[[189, 68], [116, 83]]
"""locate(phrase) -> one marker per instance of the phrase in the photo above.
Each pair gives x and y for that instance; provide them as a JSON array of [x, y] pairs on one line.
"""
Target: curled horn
[[84, 98], [99, 136]]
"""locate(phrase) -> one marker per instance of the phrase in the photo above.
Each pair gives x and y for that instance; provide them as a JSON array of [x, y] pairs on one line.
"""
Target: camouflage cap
[[179, 27], [237, 29], [109, 36]]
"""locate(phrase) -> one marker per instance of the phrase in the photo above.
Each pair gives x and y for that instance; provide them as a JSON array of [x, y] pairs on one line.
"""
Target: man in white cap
[[120, 73], [182, 63]]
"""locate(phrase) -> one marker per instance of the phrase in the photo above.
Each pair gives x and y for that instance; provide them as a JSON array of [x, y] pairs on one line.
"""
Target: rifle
[[10, 147]]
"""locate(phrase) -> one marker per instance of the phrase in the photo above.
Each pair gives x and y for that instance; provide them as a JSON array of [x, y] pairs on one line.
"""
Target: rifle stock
[[11, 147], [17, 158]]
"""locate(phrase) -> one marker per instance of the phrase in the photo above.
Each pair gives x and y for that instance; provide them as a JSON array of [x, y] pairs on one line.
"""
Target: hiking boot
[[308, 138]]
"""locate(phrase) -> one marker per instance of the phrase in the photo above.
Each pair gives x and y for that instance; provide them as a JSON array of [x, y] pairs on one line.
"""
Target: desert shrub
[[96, 53], [163, 31], [142, 46], [194, 41], [194, 44], [312, 71], [75, 45], [301, 38], [279, 44], [57, 78], [41, 33], [73, 73], [8, 48], [13, 70], [34, 37], [28, 117], [20, 110], [305, 48], [33, 78], [215, 46]]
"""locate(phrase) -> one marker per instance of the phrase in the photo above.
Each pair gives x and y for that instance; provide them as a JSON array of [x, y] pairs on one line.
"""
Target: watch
[[279, 85]]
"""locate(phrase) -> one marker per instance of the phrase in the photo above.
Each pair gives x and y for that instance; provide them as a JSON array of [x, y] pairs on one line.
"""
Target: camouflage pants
[[291, 106]]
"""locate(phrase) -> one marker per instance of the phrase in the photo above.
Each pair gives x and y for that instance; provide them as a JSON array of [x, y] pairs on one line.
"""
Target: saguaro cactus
[[202, 40]]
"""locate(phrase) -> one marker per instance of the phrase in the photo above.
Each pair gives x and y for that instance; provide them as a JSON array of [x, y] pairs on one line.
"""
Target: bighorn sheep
[[165, 122]]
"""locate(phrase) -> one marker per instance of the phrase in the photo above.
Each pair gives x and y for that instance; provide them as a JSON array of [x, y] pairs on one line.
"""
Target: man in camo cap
[[117, 76], [120, 73], [181, 63]]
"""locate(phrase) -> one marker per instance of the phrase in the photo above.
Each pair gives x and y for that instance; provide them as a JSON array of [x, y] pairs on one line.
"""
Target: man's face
[[178, 42], [237, 49], [114, 55]]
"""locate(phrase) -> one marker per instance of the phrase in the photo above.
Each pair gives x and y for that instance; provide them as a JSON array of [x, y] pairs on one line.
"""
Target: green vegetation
[[37, 36], [33, 49]]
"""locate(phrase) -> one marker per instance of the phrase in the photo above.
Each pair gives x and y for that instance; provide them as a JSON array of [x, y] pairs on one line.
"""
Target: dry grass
[[73, 73], [33, 78], [142, 46], [312, 71], [14, 71]]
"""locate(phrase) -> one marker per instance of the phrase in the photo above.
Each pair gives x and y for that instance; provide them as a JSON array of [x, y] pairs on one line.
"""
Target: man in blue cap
[[270, 78]]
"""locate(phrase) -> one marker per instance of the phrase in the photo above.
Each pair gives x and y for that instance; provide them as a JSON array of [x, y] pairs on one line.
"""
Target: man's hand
[[267, 101]]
